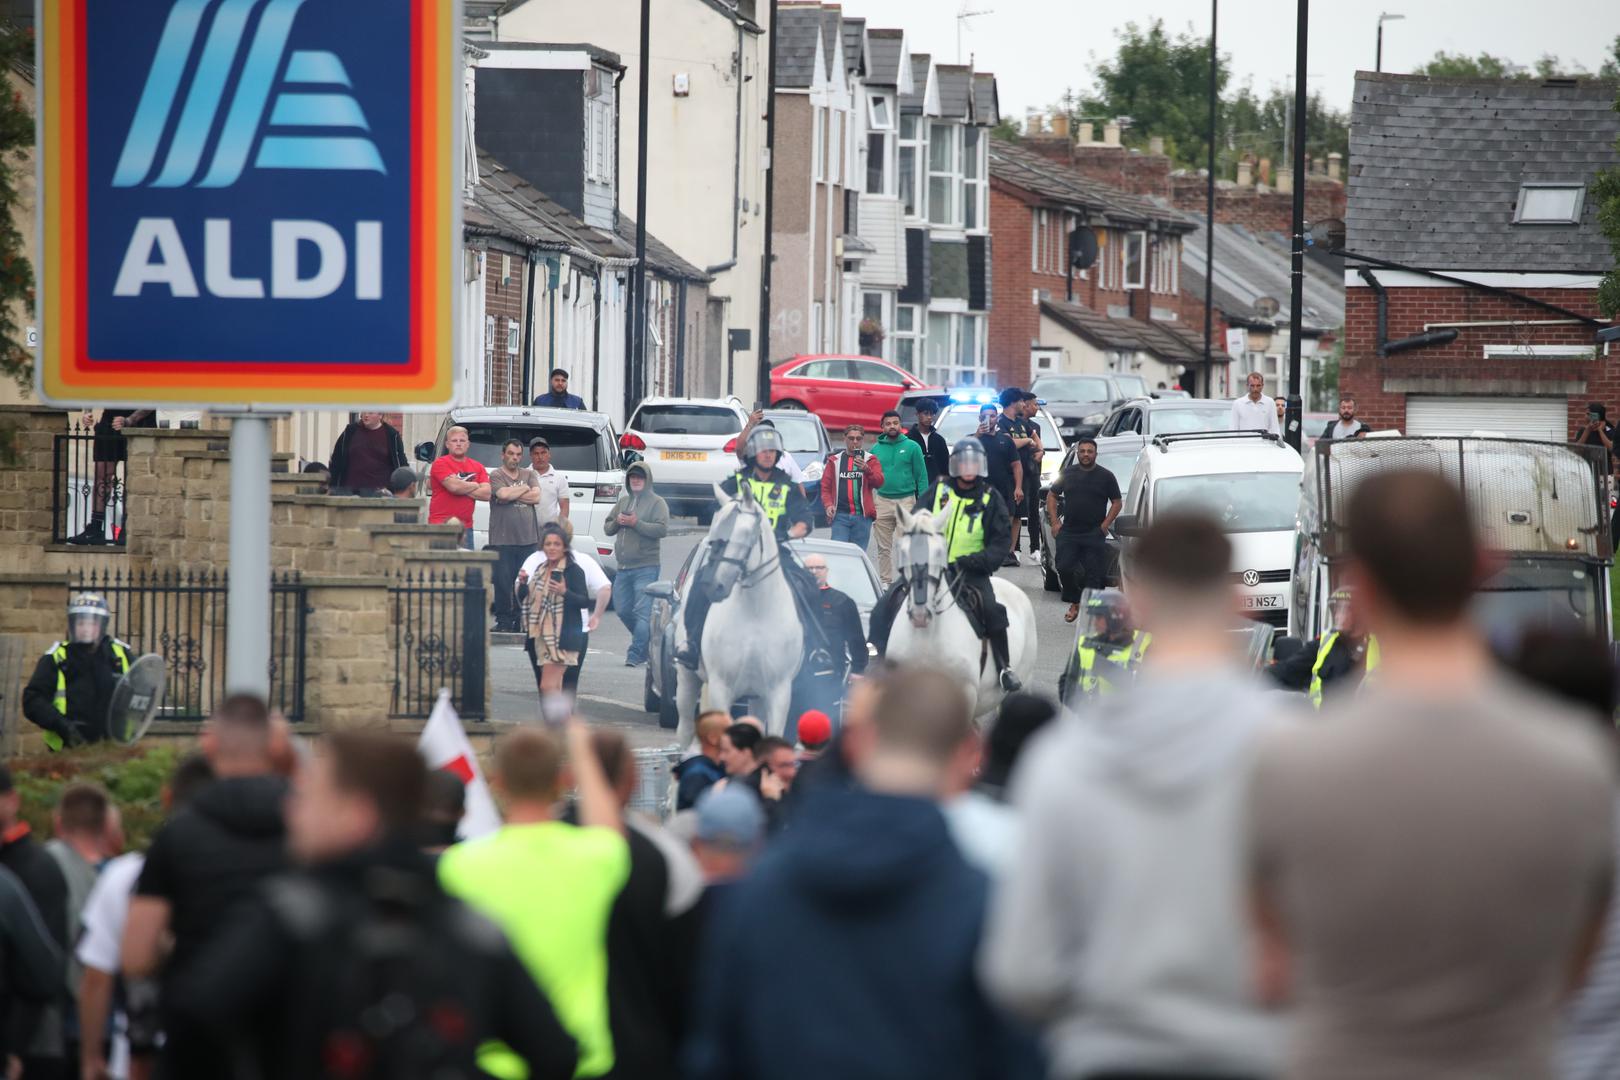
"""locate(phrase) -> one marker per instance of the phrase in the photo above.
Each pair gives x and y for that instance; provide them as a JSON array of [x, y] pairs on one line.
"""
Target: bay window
[[903, 339], [1167, 266], [973, 178], [1134, 254], [944, 174], [818, 148], [879, 146], [835, 146], [955, 349], [911, 152]]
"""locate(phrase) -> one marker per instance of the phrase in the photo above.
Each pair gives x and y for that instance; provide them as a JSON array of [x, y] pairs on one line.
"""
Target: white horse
[[937, 632], [753, 642]]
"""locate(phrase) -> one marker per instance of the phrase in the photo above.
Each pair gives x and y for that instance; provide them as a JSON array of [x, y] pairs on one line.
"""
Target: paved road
[[610, 694]]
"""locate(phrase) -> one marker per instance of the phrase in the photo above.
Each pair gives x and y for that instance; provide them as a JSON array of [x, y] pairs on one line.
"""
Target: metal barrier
[[182, 616], [80, 486], [439, 622], [653, 777]]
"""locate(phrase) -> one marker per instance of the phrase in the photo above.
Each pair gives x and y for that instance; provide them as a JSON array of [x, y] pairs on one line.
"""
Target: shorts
[[109, 445]]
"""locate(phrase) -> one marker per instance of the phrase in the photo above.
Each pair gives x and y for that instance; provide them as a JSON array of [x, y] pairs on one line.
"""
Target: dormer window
[[1549, 204]]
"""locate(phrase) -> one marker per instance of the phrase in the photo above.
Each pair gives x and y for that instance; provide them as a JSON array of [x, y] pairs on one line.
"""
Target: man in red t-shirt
[[457, 481]]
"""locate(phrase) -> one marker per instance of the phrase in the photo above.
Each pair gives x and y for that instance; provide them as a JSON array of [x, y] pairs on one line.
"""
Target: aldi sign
[[249, 202]]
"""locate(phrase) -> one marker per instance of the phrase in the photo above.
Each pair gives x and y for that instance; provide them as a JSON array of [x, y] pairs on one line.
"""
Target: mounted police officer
[[1335, 663], [1107, 653], [977, 528], [784, 507], [72, 686]]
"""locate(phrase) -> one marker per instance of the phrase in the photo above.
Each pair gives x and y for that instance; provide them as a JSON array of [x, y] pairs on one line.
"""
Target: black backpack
[[392, 982]]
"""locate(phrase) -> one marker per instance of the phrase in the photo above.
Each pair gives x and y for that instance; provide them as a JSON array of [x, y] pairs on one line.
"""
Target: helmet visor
[[967, 460]]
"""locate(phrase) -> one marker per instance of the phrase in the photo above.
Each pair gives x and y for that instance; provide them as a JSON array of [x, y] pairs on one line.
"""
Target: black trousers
[[1082, 562], [507, 615]]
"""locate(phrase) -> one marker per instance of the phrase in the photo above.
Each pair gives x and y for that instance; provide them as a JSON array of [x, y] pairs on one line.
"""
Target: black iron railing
[[439, 622], [83, 489], [182, 616]]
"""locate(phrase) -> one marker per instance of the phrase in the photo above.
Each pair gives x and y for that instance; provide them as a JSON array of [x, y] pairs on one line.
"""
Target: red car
[[841, 390]]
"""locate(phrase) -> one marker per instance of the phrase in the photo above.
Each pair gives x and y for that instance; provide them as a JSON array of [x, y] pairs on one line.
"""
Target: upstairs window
[[1549, 204], [1135, 256], [973, 186], [944, 174], [911, 152]]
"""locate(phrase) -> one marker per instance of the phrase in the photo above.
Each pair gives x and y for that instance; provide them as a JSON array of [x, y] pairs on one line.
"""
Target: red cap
[[815, 728]]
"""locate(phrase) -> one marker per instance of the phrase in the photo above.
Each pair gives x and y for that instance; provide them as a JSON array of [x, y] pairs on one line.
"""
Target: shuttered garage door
[[1524, 418]]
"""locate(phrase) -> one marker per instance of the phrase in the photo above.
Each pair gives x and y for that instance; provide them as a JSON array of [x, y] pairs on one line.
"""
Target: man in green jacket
[[905, 480], [638, 522]]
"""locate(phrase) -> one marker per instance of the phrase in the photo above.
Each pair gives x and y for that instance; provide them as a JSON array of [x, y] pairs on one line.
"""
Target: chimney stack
[[1111, 133], [1335, 165], [1088, 132], [1285, 181], [1060, 125], [1032, 122], [1245, 175], [1156, 146]]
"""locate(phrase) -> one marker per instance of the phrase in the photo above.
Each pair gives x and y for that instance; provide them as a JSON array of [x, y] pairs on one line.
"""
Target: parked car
[[1079, 403], [1163, 395], [958, 421], [690, 444], [1250, 482], [584, 449], [842, 390], [1119, 460], [1172, 416], [849, 570], [808, 445]]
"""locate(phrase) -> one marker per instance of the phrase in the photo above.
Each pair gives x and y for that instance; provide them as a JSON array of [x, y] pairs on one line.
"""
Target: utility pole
[[762, 344], [1296, 300], [1209, 212], [635, 380]]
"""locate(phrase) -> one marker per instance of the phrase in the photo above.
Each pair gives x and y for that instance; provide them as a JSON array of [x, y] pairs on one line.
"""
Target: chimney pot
[[1111, 133], [1060, 125], [1032, 122], [1245, 173], [1335, 165], [1156, 145], [1263, 173], [1088, 132], [1285, 180]]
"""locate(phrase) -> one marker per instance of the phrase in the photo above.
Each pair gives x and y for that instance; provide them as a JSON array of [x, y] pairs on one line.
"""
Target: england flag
[[444, 745]]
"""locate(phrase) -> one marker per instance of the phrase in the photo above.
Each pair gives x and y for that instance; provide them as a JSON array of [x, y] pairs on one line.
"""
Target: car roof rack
[[1163, 441]]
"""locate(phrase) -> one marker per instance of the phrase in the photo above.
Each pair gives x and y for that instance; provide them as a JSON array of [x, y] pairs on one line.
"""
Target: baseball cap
[[815, 728], [730, 819], [539, 440]]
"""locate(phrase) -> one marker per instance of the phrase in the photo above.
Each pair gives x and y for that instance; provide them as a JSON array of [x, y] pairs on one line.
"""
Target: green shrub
[[135, 776]]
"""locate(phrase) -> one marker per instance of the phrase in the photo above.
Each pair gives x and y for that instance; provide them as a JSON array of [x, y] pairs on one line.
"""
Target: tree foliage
[[16, 275], [1444, 65], [1606, 191]]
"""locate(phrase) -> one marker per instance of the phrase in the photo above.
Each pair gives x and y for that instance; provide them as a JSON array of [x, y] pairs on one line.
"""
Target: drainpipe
[[528, 330], [551, 317], [596, 337], [1424, 340], [680, 339], [736, 175]]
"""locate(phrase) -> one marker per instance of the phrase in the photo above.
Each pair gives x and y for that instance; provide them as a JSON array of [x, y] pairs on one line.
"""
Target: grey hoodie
[[638, 545], [1122, 926]]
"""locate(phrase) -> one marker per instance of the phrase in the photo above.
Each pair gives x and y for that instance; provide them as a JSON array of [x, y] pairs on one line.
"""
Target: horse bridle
[[720, 542], [917, 549]]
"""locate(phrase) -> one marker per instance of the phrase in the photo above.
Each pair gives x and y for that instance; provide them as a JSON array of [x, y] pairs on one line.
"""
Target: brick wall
[[504, 377], [1118, 167], [1460, 367]]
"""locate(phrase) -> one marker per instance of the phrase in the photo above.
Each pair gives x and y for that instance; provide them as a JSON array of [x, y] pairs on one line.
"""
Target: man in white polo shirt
[[1255, 412]]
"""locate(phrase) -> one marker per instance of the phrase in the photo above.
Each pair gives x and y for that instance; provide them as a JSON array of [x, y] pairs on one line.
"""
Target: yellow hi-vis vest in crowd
[[53, 741], [1123, 657], [964, 531], [1371, 662], [771, 495]]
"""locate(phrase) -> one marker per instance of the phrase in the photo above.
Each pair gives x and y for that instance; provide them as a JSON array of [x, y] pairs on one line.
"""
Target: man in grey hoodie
[[1121, 928], [638, 521]]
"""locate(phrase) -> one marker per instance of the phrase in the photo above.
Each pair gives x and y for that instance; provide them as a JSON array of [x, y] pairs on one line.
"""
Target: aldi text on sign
[[249, 202]]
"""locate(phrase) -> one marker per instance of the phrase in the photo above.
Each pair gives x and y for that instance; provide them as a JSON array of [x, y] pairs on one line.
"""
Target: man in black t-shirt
[[1002, 470], [1090, 503], [1015, 426], [1597, 431]]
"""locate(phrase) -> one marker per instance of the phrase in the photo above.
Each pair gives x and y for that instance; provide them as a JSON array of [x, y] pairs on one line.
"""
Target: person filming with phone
[[72, 686], [1597, 431], [557, 599], [847, 483]]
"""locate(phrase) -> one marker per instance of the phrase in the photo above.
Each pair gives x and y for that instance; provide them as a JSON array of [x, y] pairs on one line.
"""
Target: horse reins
[[749, 578]]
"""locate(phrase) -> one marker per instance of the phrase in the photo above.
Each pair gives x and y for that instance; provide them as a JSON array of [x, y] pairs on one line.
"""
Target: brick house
[[1126, 312], [1473, 254]]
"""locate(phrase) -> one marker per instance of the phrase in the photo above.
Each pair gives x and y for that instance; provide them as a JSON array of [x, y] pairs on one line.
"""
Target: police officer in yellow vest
[[785, 508], [978, 535], [73, 682], [1335, 663], [1105, 656]]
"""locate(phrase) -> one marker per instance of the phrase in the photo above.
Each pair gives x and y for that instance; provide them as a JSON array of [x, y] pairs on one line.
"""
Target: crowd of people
[[1187, 877]]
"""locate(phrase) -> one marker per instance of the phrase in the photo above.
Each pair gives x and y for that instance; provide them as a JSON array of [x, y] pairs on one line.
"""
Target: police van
[[1541, 508]]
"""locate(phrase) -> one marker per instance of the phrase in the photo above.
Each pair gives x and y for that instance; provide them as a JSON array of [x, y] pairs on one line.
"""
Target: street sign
[[249, 202]]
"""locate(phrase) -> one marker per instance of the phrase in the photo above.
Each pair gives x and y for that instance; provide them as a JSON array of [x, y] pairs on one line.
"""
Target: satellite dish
[[1266, 307], [1082, 247]]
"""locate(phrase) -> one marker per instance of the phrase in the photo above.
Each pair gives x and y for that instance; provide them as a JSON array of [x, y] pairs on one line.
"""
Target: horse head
[[739, 541], [919, 558]]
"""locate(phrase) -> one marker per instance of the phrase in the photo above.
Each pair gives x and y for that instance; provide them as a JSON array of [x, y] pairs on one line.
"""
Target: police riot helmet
[[1107, 614], [763, 437], [88, 618], [967, 459], [1341, 605]]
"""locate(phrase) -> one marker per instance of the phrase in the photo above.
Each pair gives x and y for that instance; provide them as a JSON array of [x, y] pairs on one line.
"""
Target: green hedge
[[134, 775]]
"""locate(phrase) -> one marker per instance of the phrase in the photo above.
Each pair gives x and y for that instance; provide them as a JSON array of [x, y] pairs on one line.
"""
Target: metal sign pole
[[247, 632]]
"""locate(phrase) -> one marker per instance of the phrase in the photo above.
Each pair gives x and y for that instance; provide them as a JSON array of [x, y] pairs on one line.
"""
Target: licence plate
[[1262, 601], [682, 455]]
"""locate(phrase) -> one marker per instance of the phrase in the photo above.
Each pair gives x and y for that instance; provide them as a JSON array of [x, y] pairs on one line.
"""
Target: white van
[[584, 448], [1249, 482]]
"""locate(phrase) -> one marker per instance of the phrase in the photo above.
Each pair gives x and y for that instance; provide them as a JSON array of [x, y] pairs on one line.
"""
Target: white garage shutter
[[1521, 418]]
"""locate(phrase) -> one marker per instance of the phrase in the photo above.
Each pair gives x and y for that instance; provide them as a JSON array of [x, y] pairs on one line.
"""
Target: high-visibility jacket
[[772, 496], [964, 521], [59, 701], [1370, 661], [1119, 658]]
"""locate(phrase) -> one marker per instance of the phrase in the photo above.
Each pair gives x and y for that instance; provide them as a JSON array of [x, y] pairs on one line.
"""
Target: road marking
[[609, 701]]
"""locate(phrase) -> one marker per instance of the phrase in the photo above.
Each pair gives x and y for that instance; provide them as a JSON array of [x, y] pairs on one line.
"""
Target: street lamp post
[[1296, 304], [1209, 212], [1378, 59]]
